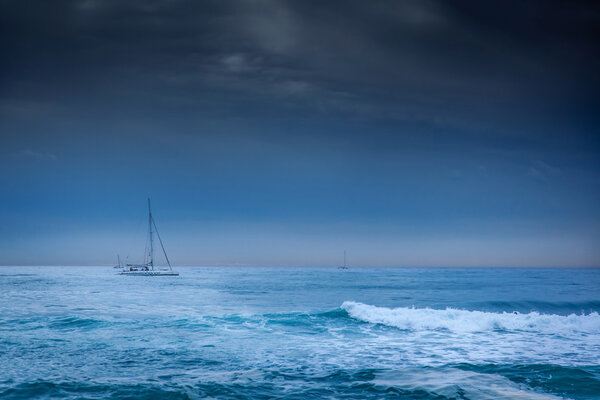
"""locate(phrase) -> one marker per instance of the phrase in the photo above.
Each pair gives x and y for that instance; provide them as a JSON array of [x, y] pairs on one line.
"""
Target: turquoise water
[[298, 333]]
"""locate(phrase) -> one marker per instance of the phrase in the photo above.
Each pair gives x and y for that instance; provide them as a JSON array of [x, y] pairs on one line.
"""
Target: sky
[[408, 133]]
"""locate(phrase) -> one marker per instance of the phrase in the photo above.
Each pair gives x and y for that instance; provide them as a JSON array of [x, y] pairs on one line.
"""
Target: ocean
[[300, 333]]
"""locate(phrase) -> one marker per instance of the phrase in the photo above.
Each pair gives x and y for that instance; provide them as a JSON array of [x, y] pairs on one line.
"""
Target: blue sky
[[282, 133]]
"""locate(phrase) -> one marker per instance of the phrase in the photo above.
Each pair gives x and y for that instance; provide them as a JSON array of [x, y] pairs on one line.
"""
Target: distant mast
[[151, 237], [344, 266]]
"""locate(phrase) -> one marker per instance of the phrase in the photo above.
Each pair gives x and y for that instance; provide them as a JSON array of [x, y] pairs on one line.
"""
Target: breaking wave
[[455, 320]]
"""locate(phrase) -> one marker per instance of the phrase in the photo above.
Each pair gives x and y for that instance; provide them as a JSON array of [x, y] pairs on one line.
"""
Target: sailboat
[[344, 266], [119, 265], [148, 268]]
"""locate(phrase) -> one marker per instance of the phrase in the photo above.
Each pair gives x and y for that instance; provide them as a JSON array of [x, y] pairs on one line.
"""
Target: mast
[[151, 238], [344, 258]]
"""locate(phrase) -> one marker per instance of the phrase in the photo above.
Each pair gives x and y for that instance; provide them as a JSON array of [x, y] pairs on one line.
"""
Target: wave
[[570, 381], [447, 382], [74, 322], [547, 307], [77, 390], [455, 320]]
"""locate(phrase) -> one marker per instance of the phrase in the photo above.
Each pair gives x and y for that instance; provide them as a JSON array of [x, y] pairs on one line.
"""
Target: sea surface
[[300, 333]]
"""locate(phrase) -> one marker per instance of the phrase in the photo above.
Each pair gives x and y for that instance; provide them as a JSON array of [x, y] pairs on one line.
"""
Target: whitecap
[[456, 320]]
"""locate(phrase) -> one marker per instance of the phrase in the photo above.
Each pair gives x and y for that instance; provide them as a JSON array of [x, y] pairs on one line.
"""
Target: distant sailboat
[[118, 266], [148, 267], [344, 266]]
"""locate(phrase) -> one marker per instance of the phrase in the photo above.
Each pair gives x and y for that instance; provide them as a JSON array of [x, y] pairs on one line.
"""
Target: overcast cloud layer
[[280, 132]]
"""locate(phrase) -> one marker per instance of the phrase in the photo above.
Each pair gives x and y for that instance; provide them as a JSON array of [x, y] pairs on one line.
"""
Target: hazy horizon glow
[[415, 133]]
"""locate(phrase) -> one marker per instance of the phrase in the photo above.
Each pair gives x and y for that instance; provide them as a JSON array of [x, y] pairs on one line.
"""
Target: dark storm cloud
[[450, 64], [413, 70]]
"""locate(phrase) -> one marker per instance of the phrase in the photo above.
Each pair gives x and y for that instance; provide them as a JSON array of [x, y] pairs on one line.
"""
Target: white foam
[[422, 319], [455, 383]]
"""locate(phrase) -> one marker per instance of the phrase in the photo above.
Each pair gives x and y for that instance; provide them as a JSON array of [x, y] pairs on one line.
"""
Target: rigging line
[[146, 250], [161, 244]]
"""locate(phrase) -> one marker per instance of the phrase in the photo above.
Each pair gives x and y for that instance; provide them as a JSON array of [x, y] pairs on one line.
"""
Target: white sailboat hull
[[149, 273]]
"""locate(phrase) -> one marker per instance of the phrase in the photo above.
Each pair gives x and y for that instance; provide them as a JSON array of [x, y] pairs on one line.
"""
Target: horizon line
[[317, 266]]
